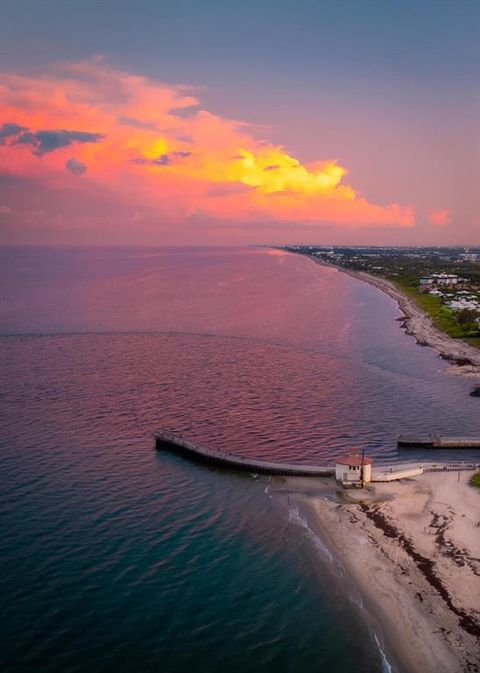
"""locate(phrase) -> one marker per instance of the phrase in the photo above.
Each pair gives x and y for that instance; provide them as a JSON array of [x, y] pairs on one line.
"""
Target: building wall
[[344, 474], [367, 473]]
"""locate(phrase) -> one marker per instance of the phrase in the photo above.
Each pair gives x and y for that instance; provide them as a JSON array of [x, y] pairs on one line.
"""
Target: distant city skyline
[[351, 123]]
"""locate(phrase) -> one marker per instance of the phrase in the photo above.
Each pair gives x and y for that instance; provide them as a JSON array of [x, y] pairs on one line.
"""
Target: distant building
[[353, 470], [440, 280], [464, 303], [470, 257]]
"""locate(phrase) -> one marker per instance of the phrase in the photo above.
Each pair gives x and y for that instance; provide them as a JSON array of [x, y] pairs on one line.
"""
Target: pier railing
[[174, 442], [452, 467]]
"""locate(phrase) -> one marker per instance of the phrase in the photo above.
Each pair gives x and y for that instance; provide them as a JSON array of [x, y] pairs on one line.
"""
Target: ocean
[[115, 557]]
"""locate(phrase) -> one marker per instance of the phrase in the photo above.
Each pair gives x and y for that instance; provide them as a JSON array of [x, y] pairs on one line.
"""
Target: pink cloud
[[151, 146], [439, 218]]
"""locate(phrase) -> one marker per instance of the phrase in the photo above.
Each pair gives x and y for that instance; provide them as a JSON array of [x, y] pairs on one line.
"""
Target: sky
[[219, 122]]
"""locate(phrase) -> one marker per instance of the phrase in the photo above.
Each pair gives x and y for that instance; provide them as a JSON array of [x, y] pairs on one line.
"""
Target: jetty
[[438, 442], [173, 442]]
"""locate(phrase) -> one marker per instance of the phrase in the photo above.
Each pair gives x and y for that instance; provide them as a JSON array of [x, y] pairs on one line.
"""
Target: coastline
[[464, 359], [412, 550]]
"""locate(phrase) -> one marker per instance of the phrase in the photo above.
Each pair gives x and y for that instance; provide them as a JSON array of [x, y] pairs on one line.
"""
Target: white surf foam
[[295, 517], [386, 667]]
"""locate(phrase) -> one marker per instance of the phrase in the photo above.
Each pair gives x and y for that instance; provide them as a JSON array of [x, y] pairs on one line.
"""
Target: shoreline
[[412, 551], [463, 359]]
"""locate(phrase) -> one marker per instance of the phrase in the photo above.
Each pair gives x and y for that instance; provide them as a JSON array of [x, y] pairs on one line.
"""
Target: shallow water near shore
[[114, 557]]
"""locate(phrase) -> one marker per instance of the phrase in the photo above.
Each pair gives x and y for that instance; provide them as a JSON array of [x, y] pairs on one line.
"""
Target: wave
[[386, 667], [295, 517]]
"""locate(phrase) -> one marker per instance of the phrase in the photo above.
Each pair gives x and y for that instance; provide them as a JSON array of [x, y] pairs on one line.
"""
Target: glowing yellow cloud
[[153, 146], [272, 170]]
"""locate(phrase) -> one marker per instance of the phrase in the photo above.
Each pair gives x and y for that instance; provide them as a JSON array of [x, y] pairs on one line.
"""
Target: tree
[[467, 318]]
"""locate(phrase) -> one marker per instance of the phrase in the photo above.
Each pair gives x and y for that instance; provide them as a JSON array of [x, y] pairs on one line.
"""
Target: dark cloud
[[51, 140], [163, 159], [8, 130], [184, 112], [46, 140], [76, 167], [25, 138]]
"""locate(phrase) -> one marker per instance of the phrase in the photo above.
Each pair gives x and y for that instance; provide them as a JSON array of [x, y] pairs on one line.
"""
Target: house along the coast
[[353, 470]]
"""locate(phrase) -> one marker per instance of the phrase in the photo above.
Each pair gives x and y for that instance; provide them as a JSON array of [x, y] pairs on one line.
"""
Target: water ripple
[[114, 558]]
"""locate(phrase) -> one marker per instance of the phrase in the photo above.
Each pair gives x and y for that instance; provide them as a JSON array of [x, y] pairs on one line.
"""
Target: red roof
[[354, 460]]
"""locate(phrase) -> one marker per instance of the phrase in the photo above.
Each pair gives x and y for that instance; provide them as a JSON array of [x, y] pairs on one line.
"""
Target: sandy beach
[[412, 548], [464, 359]]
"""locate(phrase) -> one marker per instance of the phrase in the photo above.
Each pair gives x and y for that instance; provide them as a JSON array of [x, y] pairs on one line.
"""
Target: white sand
[[421, 580]]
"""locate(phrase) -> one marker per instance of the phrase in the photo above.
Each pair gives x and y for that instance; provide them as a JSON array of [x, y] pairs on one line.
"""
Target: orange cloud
[[86, 126], [439, 218]]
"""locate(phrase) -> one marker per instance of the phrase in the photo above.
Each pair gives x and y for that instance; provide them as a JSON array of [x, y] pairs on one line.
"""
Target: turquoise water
[[135, 562], [116, 558]]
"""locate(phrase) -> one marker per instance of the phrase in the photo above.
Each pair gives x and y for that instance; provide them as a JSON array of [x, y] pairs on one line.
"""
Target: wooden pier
[[438, 442], [173, 442]]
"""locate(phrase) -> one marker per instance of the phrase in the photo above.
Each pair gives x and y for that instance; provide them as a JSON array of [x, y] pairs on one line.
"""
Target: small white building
[[470, 257], [450, 280], [461, 304], [353, 470]]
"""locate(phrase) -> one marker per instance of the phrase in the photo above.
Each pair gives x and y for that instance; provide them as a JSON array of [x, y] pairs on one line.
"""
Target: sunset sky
[[218, 122]]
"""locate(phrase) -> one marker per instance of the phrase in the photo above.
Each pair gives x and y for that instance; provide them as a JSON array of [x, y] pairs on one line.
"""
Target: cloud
[[136, 123], [185, 112], [228, 190], [162, 160], [126, 128], [5, 210], [76, 167], [439, 218], [46, 140], [50, 140], [8, 129]]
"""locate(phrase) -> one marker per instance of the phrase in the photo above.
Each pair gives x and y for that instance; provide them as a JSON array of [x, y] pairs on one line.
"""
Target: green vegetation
[[443, 317], [475, 480], [467, 319], [454, 307]]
